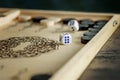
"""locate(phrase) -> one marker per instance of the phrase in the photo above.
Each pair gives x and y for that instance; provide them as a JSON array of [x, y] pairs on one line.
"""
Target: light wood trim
[[9, 16], [59, 12], [74, 68], [62, 14]]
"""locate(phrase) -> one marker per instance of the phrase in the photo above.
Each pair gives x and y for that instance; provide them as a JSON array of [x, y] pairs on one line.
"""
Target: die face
[[74, 25], [65, 38], [71, 22]]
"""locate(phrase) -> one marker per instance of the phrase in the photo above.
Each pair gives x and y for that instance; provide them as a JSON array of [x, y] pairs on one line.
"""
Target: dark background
[[111, 6]]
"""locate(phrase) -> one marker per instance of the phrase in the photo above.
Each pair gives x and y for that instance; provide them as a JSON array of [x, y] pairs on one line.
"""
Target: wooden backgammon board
[[32, 45]]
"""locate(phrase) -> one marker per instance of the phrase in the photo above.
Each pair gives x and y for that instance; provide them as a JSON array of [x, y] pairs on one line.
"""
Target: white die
[[65, 38], [74, 25]]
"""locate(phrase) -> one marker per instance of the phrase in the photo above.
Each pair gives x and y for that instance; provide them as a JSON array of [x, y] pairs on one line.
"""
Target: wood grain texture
[[106, 65], [76, 66], [77, 56]]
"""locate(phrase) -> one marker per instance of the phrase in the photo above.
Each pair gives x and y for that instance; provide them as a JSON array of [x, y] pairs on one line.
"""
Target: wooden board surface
[[76, 66], [45, 63], [52, 62], [106, 65]]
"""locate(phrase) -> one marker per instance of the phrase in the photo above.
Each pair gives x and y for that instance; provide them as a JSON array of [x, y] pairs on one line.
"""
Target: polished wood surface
[[66, 63], [106, 65]]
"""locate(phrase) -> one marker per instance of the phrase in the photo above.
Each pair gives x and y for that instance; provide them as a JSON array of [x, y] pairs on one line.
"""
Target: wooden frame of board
[[74, 68]]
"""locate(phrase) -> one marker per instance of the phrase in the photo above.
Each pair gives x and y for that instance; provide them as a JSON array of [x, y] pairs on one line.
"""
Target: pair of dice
[[65, 38]]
